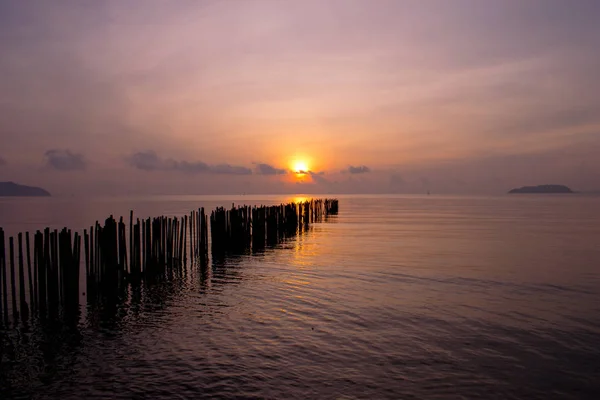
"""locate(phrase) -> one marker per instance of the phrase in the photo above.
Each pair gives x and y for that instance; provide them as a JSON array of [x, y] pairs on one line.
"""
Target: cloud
[[318, 177], [230, 169], [2, 161], [145, 160], [65, 160], [190, 167], [266, 169], [362, 169], [150, 161]]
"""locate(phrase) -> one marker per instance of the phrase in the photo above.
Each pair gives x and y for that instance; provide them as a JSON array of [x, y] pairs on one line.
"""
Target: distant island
[[14, 189], [542, 189]]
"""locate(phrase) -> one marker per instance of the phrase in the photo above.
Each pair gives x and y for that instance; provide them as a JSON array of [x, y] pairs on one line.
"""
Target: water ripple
[[437, 298]]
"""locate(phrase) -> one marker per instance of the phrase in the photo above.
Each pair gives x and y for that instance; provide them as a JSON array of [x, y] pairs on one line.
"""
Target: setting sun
[[300, 168]]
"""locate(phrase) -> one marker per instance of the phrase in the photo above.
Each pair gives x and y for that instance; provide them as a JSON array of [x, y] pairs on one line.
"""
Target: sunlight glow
[[300, 168], [297, 199]]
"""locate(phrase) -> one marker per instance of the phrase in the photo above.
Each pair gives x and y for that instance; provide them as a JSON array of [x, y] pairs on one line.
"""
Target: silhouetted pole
[[185, 241], [12, 279], [3, 277], [157, 247], [22, 302], [131, 248], [30, 277]]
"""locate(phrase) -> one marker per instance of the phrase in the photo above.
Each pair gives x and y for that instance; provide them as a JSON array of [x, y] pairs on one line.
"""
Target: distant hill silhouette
[[542, 189], [14, 189]]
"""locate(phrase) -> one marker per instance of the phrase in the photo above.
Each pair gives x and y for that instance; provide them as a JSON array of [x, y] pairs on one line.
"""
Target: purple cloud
[[266, 169], [362, 169], [65, 160], [150, 161]]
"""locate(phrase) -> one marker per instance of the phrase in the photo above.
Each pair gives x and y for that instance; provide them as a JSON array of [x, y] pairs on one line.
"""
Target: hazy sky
[[374, 96]]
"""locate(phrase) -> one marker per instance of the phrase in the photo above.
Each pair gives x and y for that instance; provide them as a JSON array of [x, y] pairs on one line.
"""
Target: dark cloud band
[[362, 169], [150, 161]]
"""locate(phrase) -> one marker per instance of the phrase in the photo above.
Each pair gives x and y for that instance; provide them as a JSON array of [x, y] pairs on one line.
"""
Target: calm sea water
[[397, 297]]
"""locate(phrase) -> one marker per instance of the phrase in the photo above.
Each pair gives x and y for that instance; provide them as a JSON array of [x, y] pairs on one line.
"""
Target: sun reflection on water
[[298, 199]]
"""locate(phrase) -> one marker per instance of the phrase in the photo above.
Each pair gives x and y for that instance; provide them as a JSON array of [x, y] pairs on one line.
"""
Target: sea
[[396, 297]]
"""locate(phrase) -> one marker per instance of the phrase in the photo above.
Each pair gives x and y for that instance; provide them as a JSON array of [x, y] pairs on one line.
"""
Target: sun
[[300, 168]]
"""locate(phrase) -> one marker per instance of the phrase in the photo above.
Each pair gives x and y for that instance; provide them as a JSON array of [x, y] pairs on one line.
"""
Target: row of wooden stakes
[[152, 248]]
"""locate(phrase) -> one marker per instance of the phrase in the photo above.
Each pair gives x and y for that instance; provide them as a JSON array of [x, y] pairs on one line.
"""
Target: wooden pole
[[86, 241], [185, 245], [43, 266], [76, 260], [53, 283], [22, 303], [180, 244], [13, 287], [144, 244], [131, 250], [156, 245], [4, 299], [31, 292], [92, 264]]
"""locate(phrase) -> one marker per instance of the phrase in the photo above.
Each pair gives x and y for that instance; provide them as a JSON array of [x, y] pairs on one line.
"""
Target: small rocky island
[[542, 189], [14, 189]]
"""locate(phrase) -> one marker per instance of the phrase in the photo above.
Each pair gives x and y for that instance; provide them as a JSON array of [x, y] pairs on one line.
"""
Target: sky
[[365, 96]]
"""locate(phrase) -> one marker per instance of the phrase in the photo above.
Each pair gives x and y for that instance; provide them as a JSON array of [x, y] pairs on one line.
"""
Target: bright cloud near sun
[[300, 167]]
